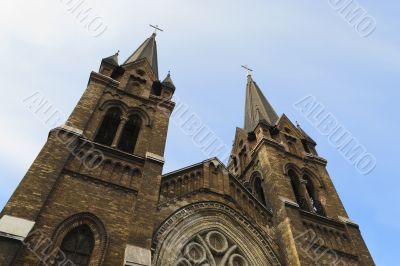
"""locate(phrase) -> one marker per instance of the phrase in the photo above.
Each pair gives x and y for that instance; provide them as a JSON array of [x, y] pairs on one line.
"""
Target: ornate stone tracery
[[211, 248], [213, 234]]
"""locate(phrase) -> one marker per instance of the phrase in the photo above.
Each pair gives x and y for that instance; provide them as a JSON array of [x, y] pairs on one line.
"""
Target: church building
[[96, 193]]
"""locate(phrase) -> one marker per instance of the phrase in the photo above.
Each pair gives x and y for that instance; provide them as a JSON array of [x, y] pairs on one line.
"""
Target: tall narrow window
[[130, 134], [315, 203], [295, 181], [235, 163], [109, 127], [258, 189], [78, 245]]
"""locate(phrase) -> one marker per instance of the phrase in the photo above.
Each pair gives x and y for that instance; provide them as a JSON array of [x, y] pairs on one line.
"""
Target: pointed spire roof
[[112, 59], [168, 81], [148, 50], [257, 107]]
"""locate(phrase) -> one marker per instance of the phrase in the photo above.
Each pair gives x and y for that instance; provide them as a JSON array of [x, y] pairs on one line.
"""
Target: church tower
[[277, 161], [95, 182], [96, 195]]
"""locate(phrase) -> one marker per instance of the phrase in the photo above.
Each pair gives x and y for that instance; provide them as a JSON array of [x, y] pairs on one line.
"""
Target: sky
[[296, 49]]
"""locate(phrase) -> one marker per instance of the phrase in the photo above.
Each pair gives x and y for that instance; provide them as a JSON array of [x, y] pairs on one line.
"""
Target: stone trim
[[178, 171], [125, 110], [289, 202], [72, 129], [135, 255], [347, 221], [316, 159], [154, 157], [103, 79], [322, 220], [14, 227], [133, 158]]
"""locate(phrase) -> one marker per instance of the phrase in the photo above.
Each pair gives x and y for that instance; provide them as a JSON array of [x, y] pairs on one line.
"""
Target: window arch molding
[[300, 172], [254, 174], [294, 168], [141, 113], [96, 226], [317, 181], [126, 110], [114, 103]]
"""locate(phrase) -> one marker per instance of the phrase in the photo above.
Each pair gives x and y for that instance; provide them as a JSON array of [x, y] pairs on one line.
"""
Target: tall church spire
[[148, 50], [257, 107]]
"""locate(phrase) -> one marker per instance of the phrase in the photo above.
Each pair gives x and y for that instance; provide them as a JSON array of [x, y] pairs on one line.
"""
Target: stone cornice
[[348, 221], [118, 153], [316, 159], [100, 78], [308, 157], [289, 202], [107, 149], [312, 217], [190, 167], [155, 158]]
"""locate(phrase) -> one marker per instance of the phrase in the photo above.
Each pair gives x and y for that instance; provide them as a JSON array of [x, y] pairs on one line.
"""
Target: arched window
[[235, 164], [130, 134], [259, 191], [315, 203], [234, 161], [295, 182], [243, 158], [109, 127], [78, 245]]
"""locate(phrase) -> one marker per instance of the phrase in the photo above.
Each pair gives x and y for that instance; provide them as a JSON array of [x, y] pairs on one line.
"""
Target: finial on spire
[[117, 53], [249, 70], [156, 28]]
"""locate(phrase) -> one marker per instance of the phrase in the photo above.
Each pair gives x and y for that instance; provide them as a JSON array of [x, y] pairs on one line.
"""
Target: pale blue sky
[[296, 48]]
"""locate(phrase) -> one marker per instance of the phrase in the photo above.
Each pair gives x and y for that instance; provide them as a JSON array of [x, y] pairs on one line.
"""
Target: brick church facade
[[96, 195]]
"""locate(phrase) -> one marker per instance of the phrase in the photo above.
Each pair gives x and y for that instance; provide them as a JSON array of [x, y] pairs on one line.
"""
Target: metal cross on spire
[[249, 70], [156, 28]]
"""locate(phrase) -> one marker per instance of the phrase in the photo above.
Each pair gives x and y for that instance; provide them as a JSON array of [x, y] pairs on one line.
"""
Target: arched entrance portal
[[213, 234]]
